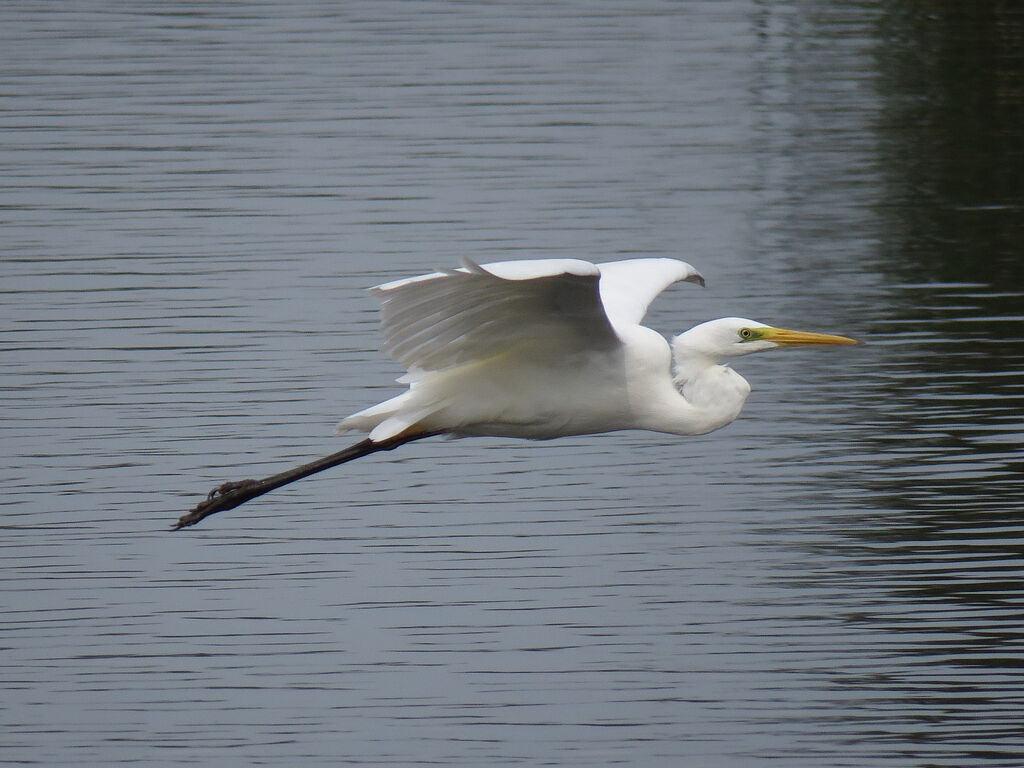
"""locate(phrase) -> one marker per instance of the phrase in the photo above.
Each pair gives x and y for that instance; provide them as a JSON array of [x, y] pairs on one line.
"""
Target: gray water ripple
[[195, 200]]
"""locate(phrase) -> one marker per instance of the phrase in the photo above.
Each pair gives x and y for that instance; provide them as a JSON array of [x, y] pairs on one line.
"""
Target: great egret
[[541, 349]]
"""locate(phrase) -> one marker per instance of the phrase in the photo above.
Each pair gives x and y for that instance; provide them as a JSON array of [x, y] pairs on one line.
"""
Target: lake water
[[196, 195]]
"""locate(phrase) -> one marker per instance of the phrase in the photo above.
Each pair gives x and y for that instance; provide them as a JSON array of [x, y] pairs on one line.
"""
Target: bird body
[[541, 349], [531, 349]]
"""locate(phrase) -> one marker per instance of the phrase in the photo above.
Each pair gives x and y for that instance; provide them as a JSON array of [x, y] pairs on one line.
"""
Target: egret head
[[735, 336]]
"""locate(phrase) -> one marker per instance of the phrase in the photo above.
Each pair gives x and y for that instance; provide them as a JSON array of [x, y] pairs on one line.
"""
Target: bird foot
[[224, 496]]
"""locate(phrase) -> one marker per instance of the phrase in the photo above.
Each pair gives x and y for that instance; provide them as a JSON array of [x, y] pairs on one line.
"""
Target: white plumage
[[546, 348]]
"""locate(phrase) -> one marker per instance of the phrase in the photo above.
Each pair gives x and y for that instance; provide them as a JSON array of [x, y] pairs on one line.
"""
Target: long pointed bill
[[788, 338]]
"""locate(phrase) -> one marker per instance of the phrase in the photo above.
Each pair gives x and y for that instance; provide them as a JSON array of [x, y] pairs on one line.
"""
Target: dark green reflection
[[951, 130]]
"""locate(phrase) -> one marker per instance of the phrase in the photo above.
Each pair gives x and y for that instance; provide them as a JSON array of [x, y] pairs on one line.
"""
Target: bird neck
[[714, 393]]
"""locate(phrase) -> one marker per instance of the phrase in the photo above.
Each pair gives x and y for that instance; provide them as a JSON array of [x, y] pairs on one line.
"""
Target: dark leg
[[231, 495]]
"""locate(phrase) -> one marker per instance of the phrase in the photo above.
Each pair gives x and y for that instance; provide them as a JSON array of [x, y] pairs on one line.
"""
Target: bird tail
[[386, 420]]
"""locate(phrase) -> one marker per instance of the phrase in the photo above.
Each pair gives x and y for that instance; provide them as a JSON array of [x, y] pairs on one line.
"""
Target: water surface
[[195, 198]]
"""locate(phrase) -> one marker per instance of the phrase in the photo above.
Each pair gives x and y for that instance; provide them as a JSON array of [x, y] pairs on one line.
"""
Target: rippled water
[[195, 197]]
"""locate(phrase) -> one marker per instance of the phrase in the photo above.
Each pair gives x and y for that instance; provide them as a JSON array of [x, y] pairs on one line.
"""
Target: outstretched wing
[[629, 287], [538, 307]]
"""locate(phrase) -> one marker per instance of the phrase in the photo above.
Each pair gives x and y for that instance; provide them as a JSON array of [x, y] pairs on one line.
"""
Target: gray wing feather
[[456, 317]]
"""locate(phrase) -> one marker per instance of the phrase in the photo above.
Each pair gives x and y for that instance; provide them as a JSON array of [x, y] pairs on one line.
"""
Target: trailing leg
[[232, 494]]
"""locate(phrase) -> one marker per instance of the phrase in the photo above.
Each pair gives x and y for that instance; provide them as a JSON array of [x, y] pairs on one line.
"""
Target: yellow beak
[[802, 338]]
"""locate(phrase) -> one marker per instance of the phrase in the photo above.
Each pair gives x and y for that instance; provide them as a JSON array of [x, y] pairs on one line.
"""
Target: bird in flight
[[540, 349]]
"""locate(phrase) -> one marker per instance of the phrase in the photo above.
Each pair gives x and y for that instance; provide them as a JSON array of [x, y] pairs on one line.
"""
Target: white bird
[[542, 349]]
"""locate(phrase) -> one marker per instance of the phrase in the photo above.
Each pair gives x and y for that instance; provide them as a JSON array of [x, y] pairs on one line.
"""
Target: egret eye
[[746, 334]]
